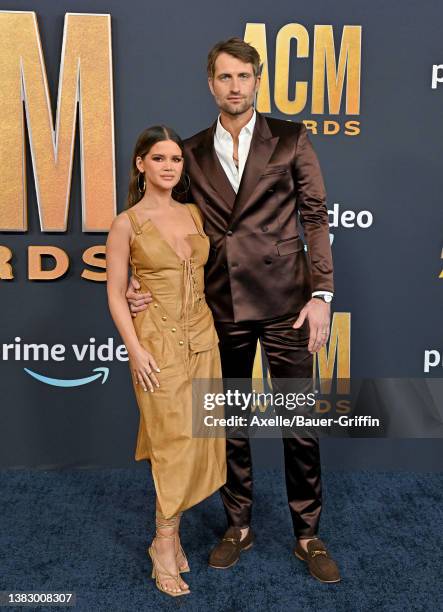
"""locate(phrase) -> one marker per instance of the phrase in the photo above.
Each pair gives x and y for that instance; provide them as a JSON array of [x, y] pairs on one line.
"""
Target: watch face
[[328, 298]]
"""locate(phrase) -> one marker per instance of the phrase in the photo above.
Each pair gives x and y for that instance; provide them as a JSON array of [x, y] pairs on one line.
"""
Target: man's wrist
[[325, 296]]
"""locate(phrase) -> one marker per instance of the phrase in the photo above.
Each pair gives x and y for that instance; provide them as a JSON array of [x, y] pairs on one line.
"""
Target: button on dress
[[178, 329]]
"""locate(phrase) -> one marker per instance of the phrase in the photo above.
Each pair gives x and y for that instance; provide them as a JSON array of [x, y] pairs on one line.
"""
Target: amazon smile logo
[[74, 382]]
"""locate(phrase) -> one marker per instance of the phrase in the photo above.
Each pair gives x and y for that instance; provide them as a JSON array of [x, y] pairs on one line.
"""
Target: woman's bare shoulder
[[121, 222]]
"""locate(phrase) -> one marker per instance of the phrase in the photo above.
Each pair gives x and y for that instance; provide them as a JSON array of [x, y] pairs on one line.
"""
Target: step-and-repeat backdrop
[[80, 80]]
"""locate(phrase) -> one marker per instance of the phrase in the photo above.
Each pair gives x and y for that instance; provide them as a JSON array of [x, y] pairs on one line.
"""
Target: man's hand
[[319, 315], [137, 301]]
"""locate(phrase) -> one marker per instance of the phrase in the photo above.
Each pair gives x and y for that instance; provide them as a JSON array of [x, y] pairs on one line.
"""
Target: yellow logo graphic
[[85, 91], [328, 75]]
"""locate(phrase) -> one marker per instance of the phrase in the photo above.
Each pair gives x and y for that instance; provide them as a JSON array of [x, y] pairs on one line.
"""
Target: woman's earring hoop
[[187, 186], [141, 189]]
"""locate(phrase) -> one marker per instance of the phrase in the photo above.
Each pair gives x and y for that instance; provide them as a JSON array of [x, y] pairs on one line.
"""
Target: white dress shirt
[[224, 147]]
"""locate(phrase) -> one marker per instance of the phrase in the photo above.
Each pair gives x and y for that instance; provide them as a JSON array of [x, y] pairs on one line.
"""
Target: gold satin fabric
[[178, 329]]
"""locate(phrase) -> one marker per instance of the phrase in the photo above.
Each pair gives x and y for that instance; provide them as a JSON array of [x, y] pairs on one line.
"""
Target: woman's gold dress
[[178, 329]]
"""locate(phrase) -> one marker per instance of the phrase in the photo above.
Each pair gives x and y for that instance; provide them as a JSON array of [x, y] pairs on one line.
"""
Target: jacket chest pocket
[[275, 179], [274, 171]]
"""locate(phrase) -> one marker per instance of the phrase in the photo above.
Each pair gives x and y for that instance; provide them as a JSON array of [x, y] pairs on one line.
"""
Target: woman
[[171, 343]]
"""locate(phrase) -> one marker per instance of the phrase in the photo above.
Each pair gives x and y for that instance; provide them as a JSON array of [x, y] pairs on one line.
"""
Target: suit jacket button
[[229, 233], [163, 318], [181, 343]]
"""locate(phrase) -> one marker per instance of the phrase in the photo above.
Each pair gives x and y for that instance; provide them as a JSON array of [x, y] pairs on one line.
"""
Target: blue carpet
[[87, 531]]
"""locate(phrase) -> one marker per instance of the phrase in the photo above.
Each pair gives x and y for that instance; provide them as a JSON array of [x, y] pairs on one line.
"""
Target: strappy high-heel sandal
[[172, 523], [157, 568]]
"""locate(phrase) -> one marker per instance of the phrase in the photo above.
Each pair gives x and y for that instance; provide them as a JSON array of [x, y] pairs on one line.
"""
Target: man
[[250, 175]]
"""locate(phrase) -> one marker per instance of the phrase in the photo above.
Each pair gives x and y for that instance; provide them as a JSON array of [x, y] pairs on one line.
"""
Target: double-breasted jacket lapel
[[212, 169], [262, 147]]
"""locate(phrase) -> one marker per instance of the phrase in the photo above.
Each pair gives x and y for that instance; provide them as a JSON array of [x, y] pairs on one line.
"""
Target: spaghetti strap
[[198, 219], [134, 222]]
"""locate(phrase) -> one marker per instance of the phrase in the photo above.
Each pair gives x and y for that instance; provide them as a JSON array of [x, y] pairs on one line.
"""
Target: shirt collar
[[221, 133]]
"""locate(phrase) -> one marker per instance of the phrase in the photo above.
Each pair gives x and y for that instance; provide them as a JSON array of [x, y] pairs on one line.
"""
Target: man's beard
[[234, 110]]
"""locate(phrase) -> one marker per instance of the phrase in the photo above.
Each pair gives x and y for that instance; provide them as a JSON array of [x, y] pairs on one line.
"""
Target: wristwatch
[[325, 296]]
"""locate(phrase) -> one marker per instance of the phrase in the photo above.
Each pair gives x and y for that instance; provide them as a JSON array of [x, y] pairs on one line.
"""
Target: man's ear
[[257, 83], [210, 85]]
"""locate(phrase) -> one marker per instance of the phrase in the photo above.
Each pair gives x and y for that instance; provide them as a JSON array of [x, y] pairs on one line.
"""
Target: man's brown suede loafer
[[227, 552], [320, 564]]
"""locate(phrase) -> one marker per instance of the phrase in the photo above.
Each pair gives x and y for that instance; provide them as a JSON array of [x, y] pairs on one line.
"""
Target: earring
[[187, 186], [141, 189]]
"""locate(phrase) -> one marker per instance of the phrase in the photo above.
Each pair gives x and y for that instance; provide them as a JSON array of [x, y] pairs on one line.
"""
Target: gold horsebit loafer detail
[[321, 566]]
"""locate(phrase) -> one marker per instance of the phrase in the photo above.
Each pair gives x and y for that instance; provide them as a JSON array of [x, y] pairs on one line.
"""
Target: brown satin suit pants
[[288, 357]]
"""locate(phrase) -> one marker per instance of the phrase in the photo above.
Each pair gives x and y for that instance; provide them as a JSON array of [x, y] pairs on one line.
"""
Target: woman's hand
[[144, 366]]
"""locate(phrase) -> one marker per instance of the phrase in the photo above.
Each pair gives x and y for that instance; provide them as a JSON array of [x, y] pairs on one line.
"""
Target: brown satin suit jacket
[[257, 267]]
